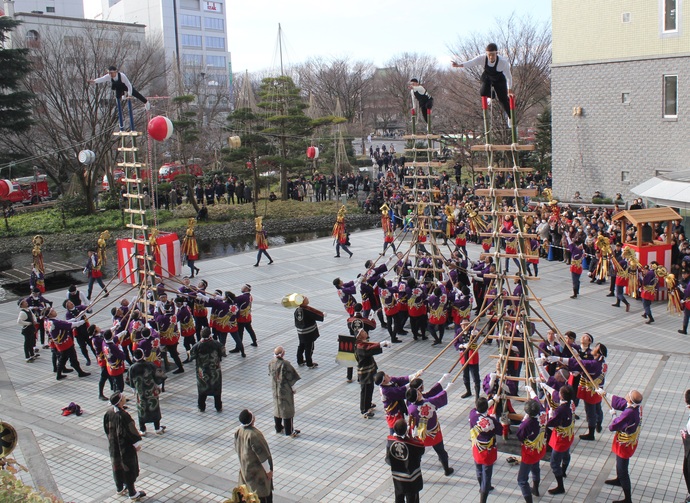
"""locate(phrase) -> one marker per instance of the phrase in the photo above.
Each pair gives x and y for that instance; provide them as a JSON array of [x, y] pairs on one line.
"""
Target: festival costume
[[307, 332], [532, 435], [209, 378], [404, 455], [283, 378], [483, 431], [255, 461], [424, 423], [123, 439], [145, 378]]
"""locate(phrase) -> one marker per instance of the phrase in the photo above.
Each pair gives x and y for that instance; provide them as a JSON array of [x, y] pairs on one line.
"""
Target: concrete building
[[194, 34], [37, 26], [65, 8], [620, 85]]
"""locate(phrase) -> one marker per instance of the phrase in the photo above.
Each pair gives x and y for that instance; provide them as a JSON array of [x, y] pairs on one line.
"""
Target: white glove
[[530, 392], [203, 297], [448, 386], [416, 374], [539, 362], [546, 388], [601, 392], [553, 359], [385, 344], [462, 347], [444, 380], [613, 412], [78, 323]]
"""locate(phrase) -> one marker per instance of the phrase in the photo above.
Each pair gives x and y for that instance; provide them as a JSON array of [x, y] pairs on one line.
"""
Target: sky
[[369, 30]]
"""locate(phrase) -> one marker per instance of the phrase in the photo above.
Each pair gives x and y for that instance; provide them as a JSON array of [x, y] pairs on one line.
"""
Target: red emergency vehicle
[[25, 190]]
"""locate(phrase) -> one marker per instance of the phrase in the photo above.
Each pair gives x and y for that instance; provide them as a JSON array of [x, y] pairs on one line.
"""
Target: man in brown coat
[[283, 379], [256, 463]]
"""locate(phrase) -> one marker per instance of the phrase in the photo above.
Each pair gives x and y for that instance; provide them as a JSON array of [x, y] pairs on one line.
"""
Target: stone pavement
[[339, 456]]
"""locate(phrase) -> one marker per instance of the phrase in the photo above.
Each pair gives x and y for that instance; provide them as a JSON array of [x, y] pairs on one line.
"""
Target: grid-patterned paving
[[339, 456]]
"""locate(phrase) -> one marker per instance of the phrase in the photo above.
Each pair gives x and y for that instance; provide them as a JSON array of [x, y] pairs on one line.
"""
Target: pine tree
[[282, 107], [542, 143], [15, 103]]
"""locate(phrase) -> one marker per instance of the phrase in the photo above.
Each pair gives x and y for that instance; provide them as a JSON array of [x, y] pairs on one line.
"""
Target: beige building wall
[[616, 30]]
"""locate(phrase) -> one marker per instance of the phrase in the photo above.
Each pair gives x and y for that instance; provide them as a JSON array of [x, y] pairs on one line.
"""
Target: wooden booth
[[647, 249]]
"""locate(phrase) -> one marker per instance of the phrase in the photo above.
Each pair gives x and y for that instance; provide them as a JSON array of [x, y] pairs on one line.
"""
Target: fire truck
[[25, 190], [169, 171]]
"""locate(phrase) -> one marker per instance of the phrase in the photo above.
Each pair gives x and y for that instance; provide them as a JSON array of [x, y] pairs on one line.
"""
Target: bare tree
[[71, 115], [336, 79]]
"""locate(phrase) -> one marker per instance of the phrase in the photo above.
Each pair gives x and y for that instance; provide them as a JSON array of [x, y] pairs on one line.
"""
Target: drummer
[[307, 331]]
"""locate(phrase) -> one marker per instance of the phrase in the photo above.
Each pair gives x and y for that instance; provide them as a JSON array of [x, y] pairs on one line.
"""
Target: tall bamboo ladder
[[422, 223], [522, 315], [142, 240]]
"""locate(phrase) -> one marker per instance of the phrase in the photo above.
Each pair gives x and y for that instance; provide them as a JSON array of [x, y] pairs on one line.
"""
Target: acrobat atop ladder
[[135, 200]]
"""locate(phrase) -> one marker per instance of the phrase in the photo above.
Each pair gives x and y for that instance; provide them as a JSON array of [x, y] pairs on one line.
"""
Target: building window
[[670, 96], [50, 9], [72, 40], [215, 43], [216, 7], [190, 21], [191, 40], [215, 61], [670, 17], [625, 98], [625, 176], [213, 23], [192, 60], [32, 39]]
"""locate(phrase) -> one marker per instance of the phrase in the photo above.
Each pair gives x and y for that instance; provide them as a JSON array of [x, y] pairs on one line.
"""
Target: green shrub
[[110, 200], [72, 205], [13, 490]]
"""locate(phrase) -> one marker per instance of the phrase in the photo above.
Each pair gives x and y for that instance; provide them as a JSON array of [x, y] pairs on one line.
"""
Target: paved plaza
[[339, 457]]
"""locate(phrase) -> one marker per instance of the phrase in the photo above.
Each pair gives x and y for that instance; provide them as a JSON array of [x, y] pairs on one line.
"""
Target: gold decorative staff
[[38, 272], [633, 267], [339, 226], [190, 247], [604, 246], [243, 494], [101, 255]]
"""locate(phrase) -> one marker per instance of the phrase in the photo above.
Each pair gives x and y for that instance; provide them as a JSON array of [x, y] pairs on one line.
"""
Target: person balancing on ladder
[[123, 89], [423, 98], [496, 75]]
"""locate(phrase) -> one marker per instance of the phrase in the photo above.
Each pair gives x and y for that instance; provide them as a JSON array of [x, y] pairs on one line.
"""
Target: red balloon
[[6, 188], [160, 128]]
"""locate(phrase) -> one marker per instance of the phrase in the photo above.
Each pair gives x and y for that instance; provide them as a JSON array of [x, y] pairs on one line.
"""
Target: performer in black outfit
[[404, 455], [423, 98], [121, 85], [27, 321], [496, 75], [307, 331]]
